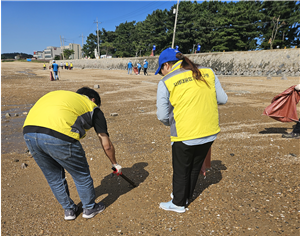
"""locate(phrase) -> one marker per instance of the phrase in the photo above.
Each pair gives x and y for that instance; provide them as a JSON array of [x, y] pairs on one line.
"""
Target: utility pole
[[175, 25], [82, 45], [98, 37], [60, 44], [63, 47], [82, 39]]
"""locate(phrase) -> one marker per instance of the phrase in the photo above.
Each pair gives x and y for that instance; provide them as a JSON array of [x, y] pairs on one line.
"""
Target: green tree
[[124, 37], [154, 30], [215, 25], [106, 41], [106, 46], [138, 44], [185, 30], [237, 28], [204, 25], [288, 15], [90, 45], [67, 53]]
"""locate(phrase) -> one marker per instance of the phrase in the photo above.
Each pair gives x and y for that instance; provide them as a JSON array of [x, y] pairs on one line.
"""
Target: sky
[[28, 26]]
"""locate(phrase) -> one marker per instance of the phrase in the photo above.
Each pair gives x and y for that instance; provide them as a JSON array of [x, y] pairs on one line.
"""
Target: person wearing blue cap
[[187, 100], [145, 67], [55, 70]]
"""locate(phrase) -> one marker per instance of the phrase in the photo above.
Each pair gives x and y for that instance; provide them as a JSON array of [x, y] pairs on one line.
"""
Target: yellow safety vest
[[194, 111], [66, 112]]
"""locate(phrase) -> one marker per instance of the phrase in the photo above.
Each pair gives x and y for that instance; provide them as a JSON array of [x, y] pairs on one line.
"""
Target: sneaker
[[90, 213], [169, 206], [291, 135], [70, 214], [186, 202]]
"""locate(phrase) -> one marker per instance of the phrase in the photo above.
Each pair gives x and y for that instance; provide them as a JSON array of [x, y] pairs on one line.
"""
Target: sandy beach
[[252, 187]]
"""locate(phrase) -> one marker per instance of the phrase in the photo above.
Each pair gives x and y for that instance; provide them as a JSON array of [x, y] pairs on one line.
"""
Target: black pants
[[187, 163], [297, 127], [145, 71]]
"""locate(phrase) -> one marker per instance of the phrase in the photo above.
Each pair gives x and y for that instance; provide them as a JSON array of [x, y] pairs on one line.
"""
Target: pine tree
[[284, 15]]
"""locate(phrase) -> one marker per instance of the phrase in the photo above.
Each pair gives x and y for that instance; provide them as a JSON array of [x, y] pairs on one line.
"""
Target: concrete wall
[[276, 62]]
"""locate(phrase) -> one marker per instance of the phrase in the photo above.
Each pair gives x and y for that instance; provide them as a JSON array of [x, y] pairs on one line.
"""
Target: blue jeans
[[129, 71], [54, 156], [55, 75]]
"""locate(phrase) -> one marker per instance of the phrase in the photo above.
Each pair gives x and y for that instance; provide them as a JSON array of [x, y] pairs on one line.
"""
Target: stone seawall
[[276, 62]]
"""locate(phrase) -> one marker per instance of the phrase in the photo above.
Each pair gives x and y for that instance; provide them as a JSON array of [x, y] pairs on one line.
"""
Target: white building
[[38, 55], [50, 52]]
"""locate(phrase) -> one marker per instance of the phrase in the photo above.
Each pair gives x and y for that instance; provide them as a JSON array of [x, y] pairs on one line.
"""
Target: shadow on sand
[[213, 176], [114, 186], [274, 130]]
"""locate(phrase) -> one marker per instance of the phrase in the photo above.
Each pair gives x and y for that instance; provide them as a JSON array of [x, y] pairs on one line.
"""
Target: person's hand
[[118, 169], [297, 87]]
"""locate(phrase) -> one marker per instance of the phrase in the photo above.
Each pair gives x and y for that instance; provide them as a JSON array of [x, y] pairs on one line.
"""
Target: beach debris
[[24, 166]]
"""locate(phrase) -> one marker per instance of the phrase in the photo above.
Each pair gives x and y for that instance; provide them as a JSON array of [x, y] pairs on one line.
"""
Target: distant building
[[50, 52], [39, 55], [21, 56], [77, 50]]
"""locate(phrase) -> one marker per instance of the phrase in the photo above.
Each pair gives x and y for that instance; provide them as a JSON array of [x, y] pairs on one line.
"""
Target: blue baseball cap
[[166, 55]]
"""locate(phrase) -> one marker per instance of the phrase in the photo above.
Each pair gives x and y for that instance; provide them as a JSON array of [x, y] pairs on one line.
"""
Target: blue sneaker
[[70, 214], [169, 206], [90, 213]]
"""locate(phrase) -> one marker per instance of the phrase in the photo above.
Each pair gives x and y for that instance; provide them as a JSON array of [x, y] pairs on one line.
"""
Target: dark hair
[[187, 64], [91, 93]]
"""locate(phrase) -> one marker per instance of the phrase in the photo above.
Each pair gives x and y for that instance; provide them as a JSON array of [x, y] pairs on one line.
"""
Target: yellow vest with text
[[193, 109], [66, 112]]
